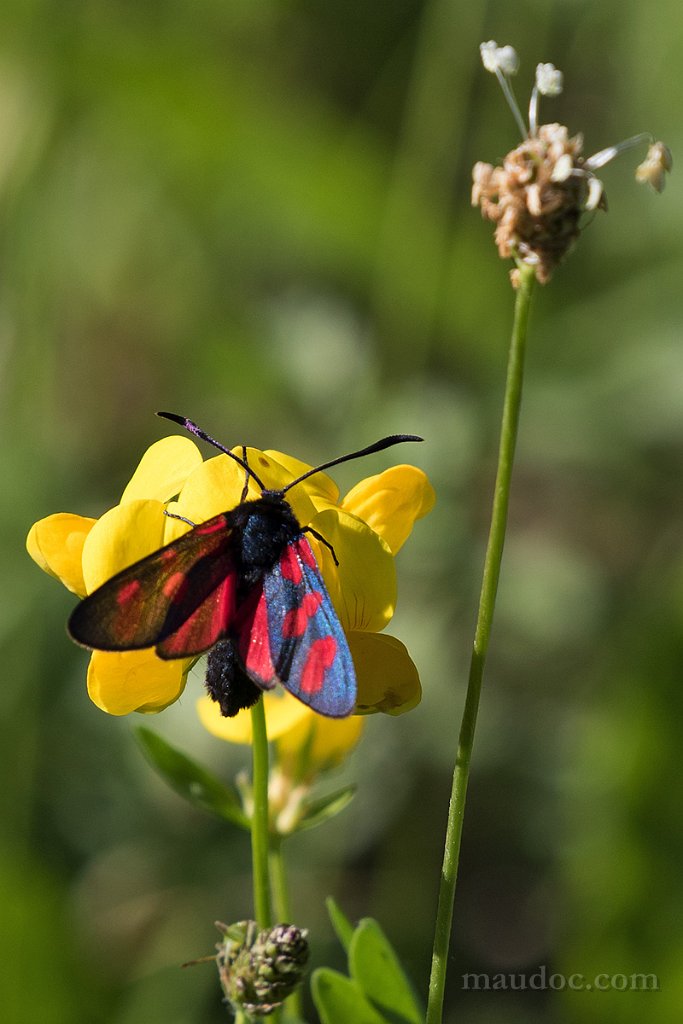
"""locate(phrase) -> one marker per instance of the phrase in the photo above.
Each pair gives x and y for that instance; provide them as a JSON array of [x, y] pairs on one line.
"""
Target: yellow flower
[[83, 553], [307, 743], [366, 529]]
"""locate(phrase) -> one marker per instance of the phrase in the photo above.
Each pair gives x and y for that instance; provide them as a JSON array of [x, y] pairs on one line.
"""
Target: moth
[[245, 586]]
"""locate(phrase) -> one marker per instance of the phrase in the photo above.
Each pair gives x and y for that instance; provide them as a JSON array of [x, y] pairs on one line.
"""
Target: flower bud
[[258, 971]]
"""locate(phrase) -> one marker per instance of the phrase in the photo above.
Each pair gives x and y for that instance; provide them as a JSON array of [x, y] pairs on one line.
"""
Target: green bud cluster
[[259, 970]]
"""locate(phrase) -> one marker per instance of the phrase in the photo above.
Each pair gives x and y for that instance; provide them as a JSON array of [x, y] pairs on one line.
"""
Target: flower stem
[[283, 910], [487, 600], [259, 822], [278, 874]]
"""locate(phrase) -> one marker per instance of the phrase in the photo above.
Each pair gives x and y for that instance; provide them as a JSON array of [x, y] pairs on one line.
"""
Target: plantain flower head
[[258, 970], [539, 195]]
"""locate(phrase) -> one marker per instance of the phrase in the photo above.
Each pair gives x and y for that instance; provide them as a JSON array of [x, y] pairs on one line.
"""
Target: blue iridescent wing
[[293, 636]]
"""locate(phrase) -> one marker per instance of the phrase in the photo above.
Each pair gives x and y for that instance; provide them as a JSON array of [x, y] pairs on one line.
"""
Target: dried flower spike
[[538, 197], [259, 970]]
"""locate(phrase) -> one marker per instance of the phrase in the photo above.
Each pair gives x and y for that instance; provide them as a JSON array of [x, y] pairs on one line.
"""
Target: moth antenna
[[378, 446], [174, 515], [245, 489], [319, 536], [198, 432]]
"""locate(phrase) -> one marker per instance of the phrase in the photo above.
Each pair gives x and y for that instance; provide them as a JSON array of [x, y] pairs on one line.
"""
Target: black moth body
[[264, 535]]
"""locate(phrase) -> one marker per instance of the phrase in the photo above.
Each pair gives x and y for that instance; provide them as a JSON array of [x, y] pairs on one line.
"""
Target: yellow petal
[[174, 527], [56, 545], [317, 744], [134, 681], [163, 469], [271, 467], [363, 585], [217, 486], [387, 677], [391, 502], [320, 485], [276, 474], [283, 712], [120, 537], [214, 486]]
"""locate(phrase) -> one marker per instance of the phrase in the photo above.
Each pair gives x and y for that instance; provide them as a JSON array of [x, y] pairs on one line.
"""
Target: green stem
[[259, 822], [278, 875], [487, 600], [283, 910]]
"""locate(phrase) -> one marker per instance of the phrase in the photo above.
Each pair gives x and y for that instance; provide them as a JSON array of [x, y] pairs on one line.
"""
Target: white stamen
[[488, 53], [548, 83], [533, 113], [548, 80], [508, 61], [503, 61], [497, 58], [564, 166], [605, 155], [533, 199], [655, 166], [601, 158], [594, 193]]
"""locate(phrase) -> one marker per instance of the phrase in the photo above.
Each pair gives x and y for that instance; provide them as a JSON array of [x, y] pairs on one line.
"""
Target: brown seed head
[[537, 197]]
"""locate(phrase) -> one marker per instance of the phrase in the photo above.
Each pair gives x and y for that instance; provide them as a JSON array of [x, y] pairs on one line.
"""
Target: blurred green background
[[256, 213]]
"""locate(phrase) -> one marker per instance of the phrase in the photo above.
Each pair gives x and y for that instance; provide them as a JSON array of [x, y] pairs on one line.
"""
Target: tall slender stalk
[[278, 875], [283, 912], [259, 823], [487, 600]]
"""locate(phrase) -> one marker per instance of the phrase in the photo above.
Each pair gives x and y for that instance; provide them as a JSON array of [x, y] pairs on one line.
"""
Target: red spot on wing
[[127, 592], [320, 658], [212, 526], [306, 553], [168, 554], [174, 587], [254, 644], [289, 566], [296, 620], [207, 623]]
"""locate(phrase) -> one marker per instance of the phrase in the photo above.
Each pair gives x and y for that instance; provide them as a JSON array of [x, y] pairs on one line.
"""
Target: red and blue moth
[[244, 586]]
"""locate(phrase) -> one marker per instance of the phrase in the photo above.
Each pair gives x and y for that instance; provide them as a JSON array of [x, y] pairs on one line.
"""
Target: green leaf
[[373, 964], [190, 780], [339, 1000], [318, 811], [340, 922]]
